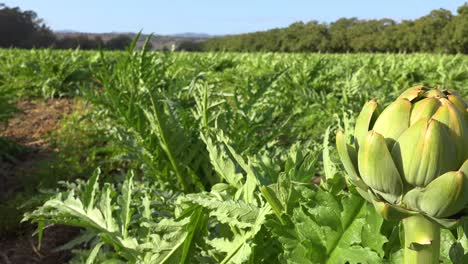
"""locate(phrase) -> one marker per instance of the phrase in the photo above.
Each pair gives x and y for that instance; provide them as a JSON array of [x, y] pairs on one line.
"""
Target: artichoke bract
[[411, 158]]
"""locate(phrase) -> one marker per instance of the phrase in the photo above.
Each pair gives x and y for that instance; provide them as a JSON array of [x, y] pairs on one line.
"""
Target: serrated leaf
[[328, 166], [241, 246], [236, 213], [222, 163], [328, 228], [124, 202], [90, 190], [178, 238]]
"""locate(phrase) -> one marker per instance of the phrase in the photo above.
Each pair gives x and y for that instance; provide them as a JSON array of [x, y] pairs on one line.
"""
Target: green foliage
[[331, 229], [23, 29], [7, 109], [214, 157], [81, 147], [164, 233], [45, 73], [439, 31], [285, 222], [152, 129]]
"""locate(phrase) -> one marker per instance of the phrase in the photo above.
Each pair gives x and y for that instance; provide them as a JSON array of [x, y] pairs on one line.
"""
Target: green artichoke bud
[[412, 157]]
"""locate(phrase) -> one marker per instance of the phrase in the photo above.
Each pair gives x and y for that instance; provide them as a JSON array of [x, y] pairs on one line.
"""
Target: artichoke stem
[[422, 240]]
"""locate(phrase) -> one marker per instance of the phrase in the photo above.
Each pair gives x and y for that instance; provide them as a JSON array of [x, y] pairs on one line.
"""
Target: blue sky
[[215, 17]]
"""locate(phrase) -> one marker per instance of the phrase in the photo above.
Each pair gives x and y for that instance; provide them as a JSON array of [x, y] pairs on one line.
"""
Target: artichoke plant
[[411, 161]]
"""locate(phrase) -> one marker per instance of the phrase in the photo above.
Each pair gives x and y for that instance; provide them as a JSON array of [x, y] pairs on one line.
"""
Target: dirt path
[[29, 129]]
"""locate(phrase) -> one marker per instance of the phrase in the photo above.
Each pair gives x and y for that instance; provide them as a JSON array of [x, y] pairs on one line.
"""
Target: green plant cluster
[[211, 157], [410, 160]]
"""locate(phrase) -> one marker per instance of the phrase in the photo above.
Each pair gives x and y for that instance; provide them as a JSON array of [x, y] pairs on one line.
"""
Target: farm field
[[173, 157]]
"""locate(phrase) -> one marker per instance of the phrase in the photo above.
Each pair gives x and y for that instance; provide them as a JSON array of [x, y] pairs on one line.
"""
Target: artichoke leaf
[[446, 222], [367, 195], [412, 93], [423, 152], [377, 168], [365, 121], [424, 109], [457, 101], [411, 199], [449, 115], [392, 212], [464, 168], [348, 157], [445, 196], [434, 93], [393, 121]]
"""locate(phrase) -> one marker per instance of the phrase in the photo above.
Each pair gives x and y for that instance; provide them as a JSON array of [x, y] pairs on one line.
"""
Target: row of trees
[[23, 29], [439, 31]]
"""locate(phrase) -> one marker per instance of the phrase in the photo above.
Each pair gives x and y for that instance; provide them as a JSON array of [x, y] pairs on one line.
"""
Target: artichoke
[[411, 159]]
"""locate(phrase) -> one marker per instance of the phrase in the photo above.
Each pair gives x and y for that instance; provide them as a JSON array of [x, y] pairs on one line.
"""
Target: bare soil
[[23, 249], [29, 129]]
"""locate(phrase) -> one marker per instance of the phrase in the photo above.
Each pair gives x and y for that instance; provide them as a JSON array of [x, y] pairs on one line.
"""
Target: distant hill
[[191, 35], [158, 41]]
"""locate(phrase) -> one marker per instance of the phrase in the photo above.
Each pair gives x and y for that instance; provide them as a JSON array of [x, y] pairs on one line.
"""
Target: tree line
[[439, 31], [23, 29]]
